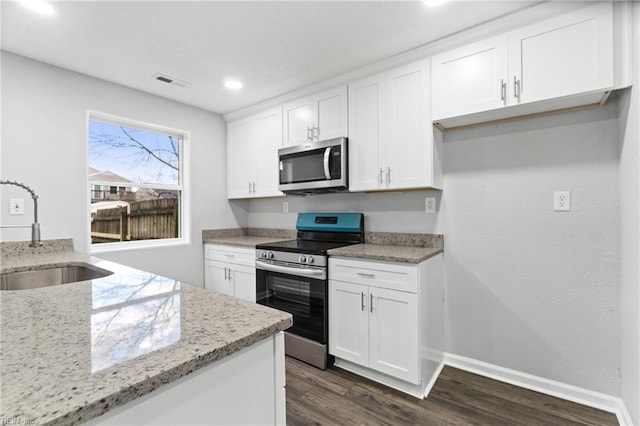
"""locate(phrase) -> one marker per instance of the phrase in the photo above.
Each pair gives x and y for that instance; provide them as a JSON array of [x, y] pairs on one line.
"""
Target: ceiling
[[274, 47]]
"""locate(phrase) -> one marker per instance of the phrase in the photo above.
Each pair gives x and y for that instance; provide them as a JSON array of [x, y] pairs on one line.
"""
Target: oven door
[[303, 295]]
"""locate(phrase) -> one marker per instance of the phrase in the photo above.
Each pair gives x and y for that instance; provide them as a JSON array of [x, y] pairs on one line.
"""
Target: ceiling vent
[[170, 80]]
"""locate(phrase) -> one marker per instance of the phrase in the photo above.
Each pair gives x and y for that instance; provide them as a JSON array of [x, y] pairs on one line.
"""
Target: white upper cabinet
[[565, 55], [570, 54], [391, 144], [470, 79], [252, 155], [239, 159], [367, 133], [314, 118], [297, 122], [409, 144]]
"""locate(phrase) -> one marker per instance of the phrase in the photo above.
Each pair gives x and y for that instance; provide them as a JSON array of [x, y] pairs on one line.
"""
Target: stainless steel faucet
[[35, 226]]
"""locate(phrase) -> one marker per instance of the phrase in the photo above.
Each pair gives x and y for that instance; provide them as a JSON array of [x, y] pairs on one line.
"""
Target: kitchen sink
[[50, 276]]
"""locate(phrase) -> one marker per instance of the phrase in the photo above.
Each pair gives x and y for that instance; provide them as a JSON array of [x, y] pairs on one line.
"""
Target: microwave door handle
[[327, 155]]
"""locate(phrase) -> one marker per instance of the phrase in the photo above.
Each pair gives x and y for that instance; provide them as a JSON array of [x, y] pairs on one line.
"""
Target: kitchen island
[[140, 347]]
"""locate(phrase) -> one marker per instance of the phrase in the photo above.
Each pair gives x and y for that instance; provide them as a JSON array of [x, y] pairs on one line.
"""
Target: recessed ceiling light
[[434, 3], [38, 6], [233, 84]]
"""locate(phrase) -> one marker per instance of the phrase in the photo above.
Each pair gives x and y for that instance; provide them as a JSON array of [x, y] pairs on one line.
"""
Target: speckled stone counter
[[387, 253], [246, 237], [71, 352], [394, 247]]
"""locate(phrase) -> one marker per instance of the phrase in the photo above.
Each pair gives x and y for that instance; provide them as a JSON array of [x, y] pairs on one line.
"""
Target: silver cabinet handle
[[371, 302], [388, 175], [317, 133], [381, 172], [362, 300], [229, 274], [249, 187], [516, 87], [225, 273], [327, 156], [362, 274], [309, 134], [229, 255], [254, 187], [503, 90]]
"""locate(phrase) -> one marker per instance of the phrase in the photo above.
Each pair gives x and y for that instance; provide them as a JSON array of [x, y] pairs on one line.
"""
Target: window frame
[[184, 185]]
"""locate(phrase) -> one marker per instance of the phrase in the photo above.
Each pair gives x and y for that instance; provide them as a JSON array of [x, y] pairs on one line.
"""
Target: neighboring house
[[108, 186], [118, 187]]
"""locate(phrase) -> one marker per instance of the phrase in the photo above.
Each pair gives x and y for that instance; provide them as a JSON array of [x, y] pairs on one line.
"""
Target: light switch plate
[[16, 206]]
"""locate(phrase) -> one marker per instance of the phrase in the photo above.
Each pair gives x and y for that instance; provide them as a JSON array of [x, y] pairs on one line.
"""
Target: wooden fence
[[142, 220]]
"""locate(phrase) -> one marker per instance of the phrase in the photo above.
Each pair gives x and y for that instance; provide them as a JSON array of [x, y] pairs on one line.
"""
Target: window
[[136, 182]]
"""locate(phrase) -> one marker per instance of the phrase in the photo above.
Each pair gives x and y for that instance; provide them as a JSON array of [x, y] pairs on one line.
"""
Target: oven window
[[305, 166], [304, 298]]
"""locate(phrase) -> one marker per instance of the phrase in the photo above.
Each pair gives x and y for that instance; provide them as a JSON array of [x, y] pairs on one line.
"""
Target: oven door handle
[[320, 274]]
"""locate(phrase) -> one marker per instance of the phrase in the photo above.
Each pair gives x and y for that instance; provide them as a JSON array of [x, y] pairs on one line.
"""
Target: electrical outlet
[[285, 207], [16, 206], [562, 201], [430, 205]]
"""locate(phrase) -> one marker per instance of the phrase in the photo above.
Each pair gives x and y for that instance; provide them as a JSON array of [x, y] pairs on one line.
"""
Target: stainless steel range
[[292, 276]]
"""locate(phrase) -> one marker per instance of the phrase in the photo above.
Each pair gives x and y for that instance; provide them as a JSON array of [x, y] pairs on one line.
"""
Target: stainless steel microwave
[[315, 167]]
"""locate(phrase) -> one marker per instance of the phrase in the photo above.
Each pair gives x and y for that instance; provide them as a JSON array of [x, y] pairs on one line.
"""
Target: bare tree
[[136, 150]]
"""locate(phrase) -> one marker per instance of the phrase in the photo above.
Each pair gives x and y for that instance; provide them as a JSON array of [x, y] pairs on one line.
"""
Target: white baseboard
[[540, 384], [433, 380]]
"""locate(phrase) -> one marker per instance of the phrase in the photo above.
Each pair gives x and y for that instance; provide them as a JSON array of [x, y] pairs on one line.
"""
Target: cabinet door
[[268, 139], [348, 322], [297, 121], [408, 143], [393, 334], [330, 114], [216, 277], [367, 116], [240, 159], [568, 54], [244, 282], [470, 79]]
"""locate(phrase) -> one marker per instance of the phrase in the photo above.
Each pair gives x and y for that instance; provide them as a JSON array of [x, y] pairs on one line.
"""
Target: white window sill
[[137, 245]]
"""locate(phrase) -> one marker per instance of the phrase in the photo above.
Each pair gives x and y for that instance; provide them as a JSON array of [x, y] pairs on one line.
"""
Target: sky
[[111, 149]]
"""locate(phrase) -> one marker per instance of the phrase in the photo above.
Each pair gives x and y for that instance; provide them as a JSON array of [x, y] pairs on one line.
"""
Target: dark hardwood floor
[[337, 397]]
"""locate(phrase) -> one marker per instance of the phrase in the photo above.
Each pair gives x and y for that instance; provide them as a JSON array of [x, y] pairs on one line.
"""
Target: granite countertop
[[385, 246], [394, 247], [246, 237], [71, 352], [387, 252]]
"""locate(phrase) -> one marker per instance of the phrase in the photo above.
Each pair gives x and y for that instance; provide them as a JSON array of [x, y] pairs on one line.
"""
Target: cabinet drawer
[[393, 276], [230, 254]]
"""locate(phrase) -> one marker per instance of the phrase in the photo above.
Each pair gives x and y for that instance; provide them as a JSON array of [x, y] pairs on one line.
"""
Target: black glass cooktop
[[303, 246]]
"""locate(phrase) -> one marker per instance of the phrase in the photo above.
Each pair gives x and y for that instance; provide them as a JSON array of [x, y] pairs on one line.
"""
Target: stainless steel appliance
[[315, 167], [292, 276]]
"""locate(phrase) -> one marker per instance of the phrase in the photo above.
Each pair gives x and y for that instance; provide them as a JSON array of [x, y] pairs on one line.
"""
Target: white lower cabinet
[[364, 328], [385, 320], [216, 394], [230, 270]]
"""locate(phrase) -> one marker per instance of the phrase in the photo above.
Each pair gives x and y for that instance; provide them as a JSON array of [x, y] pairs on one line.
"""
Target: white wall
[[526, 288], [630, 235], [44, 144]]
